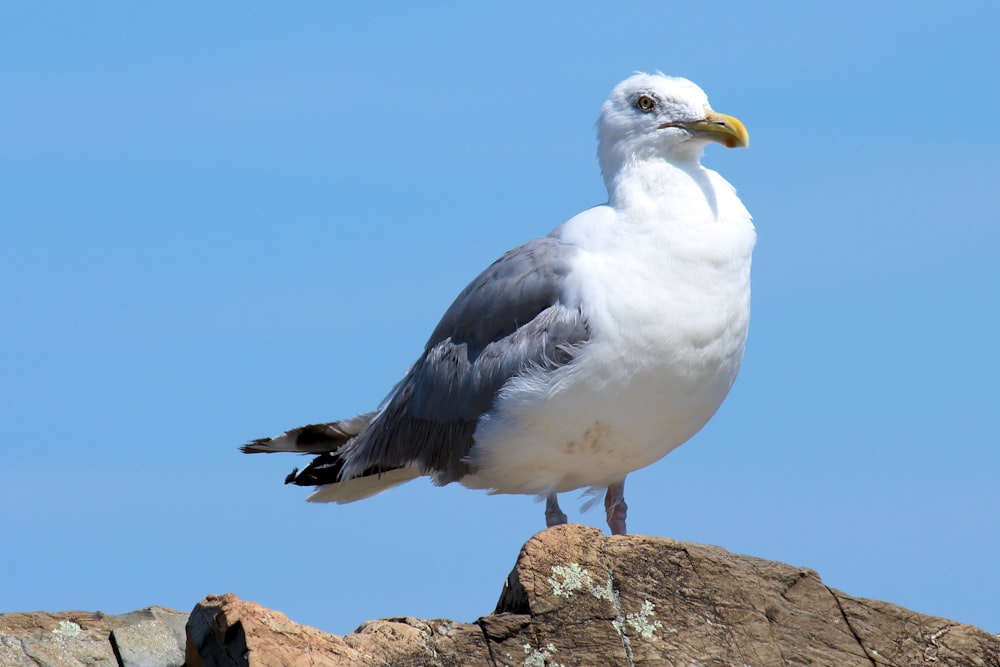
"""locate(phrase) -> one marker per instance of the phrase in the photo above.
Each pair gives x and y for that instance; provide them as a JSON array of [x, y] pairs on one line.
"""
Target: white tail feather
[[362, 487]]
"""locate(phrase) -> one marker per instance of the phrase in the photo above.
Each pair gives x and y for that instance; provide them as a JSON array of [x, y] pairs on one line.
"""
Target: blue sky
[[221, 221]]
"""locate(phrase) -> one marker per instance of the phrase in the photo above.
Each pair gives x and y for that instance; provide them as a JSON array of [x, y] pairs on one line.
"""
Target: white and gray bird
[[581, 356]]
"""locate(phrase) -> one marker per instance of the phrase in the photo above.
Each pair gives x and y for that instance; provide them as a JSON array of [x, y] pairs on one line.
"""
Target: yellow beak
[[727, 130]]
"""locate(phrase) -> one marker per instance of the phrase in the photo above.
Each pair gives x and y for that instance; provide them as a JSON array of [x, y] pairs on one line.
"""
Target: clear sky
[[222, 220]]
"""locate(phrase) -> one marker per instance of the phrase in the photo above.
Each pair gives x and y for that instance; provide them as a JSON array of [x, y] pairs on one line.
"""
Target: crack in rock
[[620, 619], [850, 627]]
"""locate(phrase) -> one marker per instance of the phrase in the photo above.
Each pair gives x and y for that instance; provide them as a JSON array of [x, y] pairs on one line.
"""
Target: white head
[[657, 117]]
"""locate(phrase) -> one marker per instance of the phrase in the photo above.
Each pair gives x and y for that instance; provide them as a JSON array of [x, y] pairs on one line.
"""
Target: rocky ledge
[[150, 637], [575, 597]]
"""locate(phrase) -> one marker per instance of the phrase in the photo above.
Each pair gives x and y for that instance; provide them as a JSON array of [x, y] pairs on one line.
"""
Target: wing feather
[[512, 317]]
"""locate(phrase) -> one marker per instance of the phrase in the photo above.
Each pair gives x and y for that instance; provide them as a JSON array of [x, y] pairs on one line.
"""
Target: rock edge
[[576, 597]]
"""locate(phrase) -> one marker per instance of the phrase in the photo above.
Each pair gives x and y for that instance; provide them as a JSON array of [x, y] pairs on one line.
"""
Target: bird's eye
[[645, 103]]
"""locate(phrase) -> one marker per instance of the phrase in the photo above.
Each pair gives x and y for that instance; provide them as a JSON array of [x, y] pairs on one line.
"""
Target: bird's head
[[652, 116]]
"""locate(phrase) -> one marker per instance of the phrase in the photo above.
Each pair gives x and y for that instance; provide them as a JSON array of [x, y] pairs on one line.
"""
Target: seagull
[[581, 356]]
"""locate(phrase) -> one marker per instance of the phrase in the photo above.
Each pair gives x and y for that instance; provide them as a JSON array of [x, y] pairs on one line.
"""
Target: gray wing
[[511, 317]]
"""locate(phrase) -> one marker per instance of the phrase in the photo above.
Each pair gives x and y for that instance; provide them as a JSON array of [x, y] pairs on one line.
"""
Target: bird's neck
[[656, 187]]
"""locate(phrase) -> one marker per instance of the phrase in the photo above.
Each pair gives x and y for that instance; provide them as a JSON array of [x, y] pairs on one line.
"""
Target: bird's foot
[[554, 516]]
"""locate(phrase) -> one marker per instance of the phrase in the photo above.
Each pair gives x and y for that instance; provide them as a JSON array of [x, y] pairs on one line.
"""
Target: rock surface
[[576, 597], [151, 637]]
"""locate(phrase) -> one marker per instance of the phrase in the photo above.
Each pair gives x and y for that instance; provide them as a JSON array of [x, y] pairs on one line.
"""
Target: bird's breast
[[668, 316], [668, 333]]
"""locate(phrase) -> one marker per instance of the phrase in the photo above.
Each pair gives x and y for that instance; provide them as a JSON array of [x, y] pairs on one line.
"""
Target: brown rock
[[151, 637], [224, 630], [576, 597]]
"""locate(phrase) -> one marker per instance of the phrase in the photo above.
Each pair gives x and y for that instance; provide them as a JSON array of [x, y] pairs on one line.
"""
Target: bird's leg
[[615, 507], [553, 515]]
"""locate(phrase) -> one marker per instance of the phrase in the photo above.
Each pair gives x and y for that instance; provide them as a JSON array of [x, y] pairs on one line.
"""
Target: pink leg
[[553, 514], [615, 507]]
